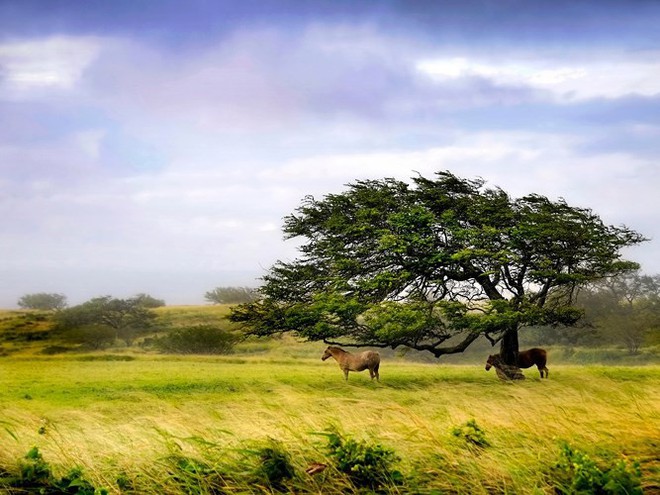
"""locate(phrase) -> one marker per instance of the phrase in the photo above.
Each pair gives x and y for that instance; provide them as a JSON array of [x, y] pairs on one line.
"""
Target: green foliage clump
[[193, 476], [33, 471], [366, 465], [91, 336], [199, 339], [576, 473], [231, 295], [35, 476], [147, 301], [274, 467], [102, 318], [472, 433]]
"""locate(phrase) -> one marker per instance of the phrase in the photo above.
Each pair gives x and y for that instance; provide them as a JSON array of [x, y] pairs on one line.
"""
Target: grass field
[[165, 424]]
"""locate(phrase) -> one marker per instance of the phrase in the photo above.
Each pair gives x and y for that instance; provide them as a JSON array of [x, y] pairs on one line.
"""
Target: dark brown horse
[[354, 362], [526, 359]]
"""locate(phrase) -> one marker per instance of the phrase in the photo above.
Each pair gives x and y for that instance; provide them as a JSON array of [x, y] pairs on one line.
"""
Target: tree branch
[[432, 348]]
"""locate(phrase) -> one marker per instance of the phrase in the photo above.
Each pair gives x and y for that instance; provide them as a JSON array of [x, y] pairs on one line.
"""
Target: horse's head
[[494, 360], [326, 354], [489, 362]]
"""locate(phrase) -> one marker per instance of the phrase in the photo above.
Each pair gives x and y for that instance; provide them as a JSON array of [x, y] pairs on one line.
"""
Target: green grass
[[131, 420], [136, 421]]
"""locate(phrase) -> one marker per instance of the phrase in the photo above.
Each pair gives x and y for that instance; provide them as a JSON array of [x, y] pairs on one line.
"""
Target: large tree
[[125, 317], [432, 265]]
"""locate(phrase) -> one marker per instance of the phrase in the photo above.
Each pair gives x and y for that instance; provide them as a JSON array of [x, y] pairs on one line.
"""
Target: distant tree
[[43, 301], [433, 265], [624, 309], [231, 295], [583, 334], [147, 301], [126, 317]]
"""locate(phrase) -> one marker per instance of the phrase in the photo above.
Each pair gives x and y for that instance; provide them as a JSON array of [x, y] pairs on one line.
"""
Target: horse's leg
[[546, 372], [376, 372], [345, 374]]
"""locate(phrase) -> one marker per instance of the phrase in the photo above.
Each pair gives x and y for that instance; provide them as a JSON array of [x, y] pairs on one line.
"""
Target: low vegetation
[[199, 339]]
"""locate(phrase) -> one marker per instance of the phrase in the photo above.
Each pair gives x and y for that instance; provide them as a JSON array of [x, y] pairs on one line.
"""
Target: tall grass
[[158, 424]]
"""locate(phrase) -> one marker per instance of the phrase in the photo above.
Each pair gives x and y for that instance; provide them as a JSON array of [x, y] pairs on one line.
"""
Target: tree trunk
[[509, 369], [509, 347]]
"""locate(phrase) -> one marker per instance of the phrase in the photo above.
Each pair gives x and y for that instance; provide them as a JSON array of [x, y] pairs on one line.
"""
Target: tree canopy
[[43, 301], [125, 317], [147, 301], [432, 265], [231, 295]]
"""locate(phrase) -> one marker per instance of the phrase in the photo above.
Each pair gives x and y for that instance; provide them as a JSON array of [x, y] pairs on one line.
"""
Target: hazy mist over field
[[155, 147]]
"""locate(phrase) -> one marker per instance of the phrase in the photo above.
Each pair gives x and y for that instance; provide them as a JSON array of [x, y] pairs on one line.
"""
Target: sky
[[156, 146]]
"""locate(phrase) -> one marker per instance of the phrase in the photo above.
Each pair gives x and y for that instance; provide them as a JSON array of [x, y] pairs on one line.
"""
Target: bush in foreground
[[35, 476], [472, 433], [367, 465], [577, 473]]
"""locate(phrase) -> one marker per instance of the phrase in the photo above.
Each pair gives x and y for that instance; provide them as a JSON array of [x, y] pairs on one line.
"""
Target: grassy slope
[[126, 417]]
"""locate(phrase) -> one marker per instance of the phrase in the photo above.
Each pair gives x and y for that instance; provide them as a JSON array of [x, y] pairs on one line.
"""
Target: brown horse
[[354, 362], [526, 359]]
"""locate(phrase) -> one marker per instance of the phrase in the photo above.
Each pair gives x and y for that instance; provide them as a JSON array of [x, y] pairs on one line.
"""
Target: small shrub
[[623, 478], [200, 339], [35, 476], [195, 476], [472, 433], [577, 473], [75, 483], [366, 465], [124, 482], [274, 467], [33, 471]]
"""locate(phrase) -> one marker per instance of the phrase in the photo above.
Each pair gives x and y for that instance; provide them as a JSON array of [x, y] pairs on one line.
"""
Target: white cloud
[[598, 77], [34, 66]]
